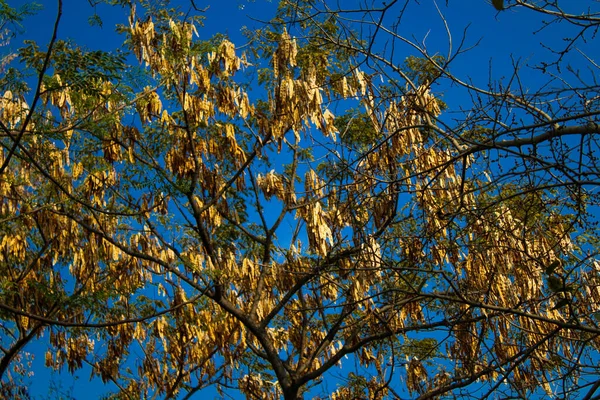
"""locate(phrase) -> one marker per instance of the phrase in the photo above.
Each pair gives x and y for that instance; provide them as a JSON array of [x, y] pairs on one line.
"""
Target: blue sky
[[505, 37]]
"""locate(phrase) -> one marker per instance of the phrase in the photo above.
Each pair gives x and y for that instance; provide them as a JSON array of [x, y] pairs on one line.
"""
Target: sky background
[[500, 38]]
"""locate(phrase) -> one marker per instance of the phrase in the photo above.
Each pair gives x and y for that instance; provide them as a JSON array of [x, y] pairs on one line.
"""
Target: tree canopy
[[331, 209]]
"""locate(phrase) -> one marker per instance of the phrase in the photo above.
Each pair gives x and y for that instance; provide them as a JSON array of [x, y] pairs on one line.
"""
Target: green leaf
[[95, 20], [552, 267], [561, 304], [555, 283], [498, 4], [422, 70]]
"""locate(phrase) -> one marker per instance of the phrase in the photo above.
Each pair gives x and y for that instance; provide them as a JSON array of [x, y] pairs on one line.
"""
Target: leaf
[[555, 283], [498, 4], [95, 20], [561, 304], [552, 267]]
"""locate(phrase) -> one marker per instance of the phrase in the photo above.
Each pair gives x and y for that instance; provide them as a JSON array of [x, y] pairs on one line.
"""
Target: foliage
[[179, 214], [424, 71]]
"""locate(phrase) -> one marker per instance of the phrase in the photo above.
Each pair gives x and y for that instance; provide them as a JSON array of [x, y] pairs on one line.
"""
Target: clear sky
[[500, 38]]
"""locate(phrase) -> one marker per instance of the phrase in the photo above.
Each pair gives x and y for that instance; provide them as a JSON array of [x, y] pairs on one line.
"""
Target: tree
[[251, 220]]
